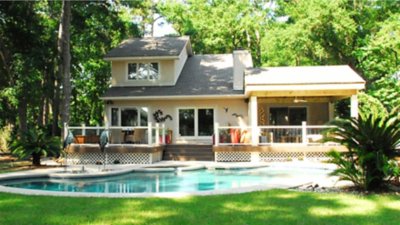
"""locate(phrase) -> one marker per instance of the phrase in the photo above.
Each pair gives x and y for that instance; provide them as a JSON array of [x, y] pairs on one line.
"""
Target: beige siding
[[238, 106], [179, 64]]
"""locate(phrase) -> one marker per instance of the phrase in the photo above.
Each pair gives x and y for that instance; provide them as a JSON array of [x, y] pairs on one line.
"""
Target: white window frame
[[137, 67], [196, 122]]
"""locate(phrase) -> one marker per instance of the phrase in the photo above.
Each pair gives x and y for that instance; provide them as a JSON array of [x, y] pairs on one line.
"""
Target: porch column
[[253, 119], [354, 106], [331, 110]]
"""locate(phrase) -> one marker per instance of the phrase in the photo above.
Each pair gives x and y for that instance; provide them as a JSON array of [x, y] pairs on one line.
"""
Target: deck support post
[[163, 133], [354, 106], [253, 117], [157, 134], [216, 134], [304, 132], [83, 129], [149, 133]]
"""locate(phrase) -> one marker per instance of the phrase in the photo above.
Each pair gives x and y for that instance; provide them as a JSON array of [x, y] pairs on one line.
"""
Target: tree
[[65, 58], [220, 26], [371, 141]]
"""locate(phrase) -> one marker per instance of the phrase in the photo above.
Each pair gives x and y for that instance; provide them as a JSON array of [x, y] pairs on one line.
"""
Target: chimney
[[241, 60]]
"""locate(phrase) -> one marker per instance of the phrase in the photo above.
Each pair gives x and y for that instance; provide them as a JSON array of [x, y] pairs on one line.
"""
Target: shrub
[[5, 136], [371, 140], [36, 143]]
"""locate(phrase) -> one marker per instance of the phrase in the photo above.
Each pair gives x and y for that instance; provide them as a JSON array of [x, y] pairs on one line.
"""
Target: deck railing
[[153, 134], [268, 135]]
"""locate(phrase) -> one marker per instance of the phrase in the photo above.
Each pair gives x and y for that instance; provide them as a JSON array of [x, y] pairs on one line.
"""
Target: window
[[129, 117], [132, 116], [287, 115], [114, 116], [186, 122], [143, 71], [206, 122], [196, 122]]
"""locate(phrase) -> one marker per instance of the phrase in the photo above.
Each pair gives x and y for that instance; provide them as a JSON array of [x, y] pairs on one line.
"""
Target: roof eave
[[140, 58], [174, 97]]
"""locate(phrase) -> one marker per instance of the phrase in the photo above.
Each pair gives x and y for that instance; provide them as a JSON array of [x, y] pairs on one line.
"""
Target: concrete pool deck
[[95, 171]]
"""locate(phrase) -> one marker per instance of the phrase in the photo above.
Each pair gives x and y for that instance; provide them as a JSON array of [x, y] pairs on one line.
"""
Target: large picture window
[[287, 115], [129, 116], [143, 71], [196, 122]]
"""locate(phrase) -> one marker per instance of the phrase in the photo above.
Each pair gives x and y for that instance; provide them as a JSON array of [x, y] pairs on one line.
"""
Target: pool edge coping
[[237, 190]]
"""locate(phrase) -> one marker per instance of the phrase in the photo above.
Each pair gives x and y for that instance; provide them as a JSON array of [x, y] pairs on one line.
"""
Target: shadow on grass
[[267, 207]]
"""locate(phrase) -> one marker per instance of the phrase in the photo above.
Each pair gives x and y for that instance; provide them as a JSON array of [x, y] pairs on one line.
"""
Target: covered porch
[[288, 109]]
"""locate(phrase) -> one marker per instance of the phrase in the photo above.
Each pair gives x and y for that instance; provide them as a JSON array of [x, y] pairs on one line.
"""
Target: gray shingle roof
[[151, 46], [201, 75]]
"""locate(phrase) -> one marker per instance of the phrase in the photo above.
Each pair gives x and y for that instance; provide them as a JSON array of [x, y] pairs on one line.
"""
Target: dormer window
[[143, 71]]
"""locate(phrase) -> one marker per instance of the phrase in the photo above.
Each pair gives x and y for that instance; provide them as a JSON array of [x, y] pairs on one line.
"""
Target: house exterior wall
[[223, 118], [317, 113]]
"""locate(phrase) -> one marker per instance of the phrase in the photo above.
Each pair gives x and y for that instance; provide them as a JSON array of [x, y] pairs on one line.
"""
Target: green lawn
[[267, 207]]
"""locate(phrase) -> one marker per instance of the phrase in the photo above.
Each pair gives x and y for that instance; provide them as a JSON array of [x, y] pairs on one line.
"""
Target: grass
[[266, 207], [7, 167]]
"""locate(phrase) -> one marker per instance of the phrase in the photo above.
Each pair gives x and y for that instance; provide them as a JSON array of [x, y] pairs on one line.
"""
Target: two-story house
[[220, 99]]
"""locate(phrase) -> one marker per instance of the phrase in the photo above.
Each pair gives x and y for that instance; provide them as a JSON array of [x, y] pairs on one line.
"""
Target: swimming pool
[[162, 182]]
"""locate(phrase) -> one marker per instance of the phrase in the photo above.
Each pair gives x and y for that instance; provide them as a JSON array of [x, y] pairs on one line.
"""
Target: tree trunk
[[36, 159], [22, 116], [56, 106], [65, 59]]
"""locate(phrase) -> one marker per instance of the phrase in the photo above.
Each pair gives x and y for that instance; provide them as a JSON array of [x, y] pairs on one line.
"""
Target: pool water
[[199, 180]]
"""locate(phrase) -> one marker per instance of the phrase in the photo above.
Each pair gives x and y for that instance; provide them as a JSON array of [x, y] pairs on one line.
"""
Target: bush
[[36, 143], [371, 140], [5, 137]]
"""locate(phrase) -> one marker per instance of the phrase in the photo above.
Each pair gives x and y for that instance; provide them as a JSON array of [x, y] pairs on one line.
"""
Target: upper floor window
[[143, 71]]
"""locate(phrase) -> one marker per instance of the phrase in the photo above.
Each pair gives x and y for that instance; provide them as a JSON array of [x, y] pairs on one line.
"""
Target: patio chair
[[139, 136]]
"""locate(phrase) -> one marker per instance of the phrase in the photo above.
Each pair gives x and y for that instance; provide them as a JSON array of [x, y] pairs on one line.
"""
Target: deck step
[[188, 153]]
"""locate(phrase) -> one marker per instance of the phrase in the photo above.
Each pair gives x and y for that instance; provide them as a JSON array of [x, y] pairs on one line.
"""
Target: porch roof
[[338, 80]]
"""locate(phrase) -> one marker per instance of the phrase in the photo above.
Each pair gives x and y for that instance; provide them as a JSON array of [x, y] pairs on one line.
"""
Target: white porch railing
[[269, 135], [137, 135]]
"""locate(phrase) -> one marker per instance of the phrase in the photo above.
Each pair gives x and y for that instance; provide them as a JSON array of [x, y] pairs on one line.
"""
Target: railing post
[[304, 132], [216, 134], [97, 130], [83, 129], [65, 131], [163, 133], [107, 127], [149, 133], [157, 141]]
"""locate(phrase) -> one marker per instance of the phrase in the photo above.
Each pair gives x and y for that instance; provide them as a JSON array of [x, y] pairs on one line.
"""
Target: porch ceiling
[[291, 100]]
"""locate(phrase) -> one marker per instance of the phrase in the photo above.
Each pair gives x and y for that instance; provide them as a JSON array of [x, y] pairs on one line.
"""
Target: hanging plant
[[159, 118]]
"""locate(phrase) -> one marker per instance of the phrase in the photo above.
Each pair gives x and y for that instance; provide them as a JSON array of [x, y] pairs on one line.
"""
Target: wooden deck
[[278, 148]]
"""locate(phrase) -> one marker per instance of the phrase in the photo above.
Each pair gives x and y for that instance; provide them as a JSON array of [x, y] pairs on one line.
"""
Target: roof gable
[[150, 47]]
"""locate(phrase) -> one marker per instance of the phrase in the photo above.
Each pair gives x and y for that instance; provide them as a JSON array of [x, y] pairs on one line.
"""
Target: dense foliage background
[[363, 34]]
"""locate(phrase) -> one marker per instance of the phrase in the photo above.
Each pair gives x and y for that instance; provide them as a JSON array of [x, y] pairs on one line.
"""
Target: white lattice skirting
[[114, 158], [267, 156]]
